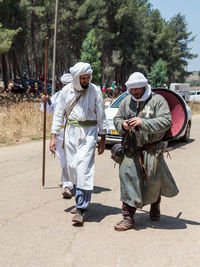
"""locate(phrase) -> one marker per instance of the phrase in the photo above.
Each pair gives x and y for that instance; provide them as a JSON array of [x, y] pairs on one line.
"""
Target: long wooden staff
[[45, 111]]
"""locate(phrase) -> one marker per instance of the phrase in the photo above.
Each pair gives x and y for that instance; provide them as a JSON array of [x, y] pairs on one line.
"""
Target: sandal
[[73, 211], [125, 224], [67, 193], [78, 218]]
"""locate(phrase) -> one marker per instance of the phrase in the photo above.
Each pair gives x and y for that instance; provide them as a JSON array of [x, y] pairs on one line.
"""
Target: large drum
[[178, 112]]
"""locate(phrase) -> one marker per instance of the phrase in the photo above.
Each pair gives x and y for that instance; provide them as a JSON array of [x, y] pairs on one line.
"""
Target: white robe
[[59, 141], [80, 142]]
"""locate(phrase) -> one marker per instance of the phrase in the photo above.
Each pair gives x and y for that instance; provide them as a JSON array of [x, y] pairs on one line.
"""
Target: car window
[[117, 102], [198, 93]]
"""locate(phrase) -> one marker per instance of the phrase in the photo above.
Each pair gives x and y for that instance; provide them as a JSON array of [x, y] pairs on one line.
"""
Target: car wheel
[[186, 136]]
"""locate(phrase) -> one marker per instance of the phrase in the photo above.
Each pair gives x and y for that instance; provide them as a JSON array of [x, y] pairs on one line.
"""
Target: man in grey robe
[[143, 118]]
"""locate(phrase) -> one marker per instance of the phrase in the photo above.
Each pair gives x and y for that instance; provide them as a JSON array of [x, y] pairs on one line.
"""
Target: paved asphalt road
[[36, 227]]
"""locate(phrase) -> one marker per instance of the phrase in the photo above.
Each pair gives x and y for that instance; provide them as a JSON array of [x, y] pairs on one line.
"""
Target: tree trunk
[[16, 66], [4, 71]]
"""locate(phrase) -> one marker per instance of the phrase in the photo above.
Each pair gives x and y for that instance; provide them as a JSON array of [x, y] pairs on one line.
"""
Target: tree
[[179, 49], [158, 75], [90, 54], [12, 17], [130, 35], [6, 39]]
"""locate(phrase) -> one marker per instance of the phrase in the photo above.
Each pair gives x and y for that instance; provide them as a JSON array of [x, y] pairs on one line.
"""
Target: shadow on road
[[98, 212], [179, 144], [166, 222], [52, 187], [99, 189]]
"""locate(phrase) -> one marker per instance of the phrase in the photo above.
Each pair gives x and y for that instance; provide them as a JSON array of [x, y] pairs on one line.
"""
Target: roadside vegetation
[[23, 122]]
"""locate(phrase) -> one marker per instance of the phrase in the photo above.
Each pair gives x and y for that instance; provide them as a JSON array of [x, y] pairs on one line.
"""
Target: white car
[[194, 96], [113, 136]]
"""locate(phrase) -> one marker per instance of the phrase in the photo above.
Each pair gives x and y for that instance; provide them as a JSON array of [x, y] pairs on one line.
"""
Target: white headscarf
[[138, 80], [78, 69], [66, 78]]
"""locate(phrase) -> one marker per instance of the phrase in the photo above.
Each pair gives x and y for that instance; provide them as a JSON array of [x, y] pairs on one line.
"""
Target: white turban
[[66, 78], [78, 69], [138, 80]]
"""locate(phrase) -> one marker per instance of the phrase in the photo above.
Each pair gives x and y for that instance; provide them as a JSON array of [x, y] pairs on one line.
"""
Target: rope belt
[[151, 147], [86, 123], [156, 152]]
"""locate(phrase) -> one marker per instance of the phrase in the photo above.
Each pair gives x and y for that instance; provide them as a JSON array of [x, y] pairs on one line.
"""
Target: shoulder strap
[[67, 116], [139, 111], [72, 106]]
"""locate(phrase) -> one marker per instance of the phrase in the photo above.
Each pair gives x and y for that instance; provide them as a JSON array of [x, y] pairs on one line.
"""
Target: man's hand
[[101, 144], [45, 98], [132, 122], [126, 126], [52, 144]]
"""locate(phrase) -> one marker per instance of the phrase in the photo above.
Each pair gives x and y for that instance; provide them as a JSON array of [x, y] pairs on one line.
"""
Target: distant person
[[113, 86], [41, 78], [103, 90], [67, 186], [143, 119]]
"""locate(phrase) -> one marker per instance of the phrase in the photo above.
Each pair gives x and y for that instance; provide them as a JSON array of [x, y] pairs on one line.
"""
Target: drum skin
[[178, 112]]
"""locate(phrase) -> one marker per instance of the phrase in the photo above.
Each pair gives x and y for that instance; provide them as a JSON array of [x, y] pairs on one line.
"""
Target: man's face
[[84, 80], [137, 92]]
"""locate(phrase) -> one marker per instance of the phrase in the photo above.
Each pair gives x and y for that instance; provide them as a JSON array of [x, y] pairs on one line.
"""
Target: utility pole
[[54, 48]]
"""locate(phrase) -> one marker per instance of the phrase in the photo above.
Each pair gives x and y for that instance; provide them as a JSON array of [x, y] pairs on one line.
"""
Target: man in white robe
[[85, 121], [67, 185]]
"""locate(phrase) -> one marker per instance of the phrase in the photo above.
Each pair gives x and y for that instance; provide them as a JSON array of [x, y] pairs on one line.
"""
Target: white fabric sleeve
[[58, 117], [101, 116], [50, 108]]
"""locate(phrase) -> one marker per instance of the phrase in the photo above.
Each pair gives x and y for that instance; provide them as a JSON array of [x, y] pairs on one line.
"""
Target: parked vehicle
[[17, 87], [22, 85], [194, 96], [182, 89], [113, 136]]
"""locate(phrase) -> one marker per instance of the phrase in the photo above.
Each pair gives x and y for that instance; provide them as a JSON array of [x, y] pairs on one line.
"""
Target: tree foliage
[[91, 55], [130, 35], [158, 75], [6, 39]]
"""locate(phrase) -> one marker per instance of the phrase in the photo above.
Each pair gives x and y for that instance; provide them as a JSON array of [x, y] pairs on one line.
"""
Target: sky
[[191, 10]]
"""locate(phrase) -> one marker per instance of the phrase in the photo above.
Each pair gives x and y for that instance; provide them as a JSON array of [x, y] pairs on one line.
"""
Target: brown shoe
[[126, 224], [73, 211], [78, 218], [154, 212], [66, 192]]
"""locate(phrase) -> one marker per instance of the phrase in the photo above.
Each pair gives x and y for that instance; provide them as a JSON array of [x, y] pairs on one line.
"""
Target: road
[[36, 227]]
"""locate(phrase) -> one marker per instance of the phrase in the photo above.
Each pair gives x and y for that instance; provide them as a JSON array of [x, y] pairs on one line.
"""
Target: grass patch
[[35, 138], [195, 107], [23, 122]]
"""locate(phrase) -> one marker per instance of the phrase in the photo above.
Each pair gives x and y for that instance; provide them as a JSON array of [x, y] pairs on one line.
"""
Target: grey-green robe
[[136, 190]]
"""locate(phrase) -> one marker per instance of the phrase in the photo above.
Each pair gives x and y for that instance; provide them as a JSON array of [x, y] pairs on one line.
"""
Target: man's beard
[[84, 86]]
